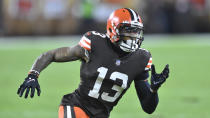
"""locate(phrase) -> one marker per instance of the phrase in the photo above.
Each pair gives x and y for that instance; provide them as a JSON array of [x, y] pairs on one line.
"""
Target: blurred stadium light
[[57, 17]]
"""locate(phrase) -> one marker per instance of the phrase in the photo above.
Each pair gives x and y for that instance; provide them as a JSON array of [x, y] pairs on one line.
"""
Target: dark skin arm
[[63, 54]]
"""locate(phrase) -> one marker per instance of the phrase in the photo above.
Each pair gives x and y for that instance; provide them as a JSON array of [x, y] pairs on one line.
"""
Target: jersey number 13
[[104, 95]]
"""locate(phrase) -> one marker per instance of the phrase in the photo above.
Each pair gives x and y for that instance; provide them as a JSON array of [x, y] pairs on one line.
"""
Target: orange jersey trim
[[79, 113], [61, 112], [85, 43], [148, 67], [71, 112]]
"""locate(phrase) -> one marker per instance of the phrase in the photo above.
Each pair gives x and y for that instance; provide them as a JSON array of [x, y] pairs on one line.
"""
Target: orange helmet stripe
[[131, 13]]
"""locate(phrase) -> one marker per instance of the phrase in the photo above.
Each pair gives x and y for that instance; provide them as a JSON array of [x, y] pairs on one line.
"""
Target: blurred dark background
[[75, 17]]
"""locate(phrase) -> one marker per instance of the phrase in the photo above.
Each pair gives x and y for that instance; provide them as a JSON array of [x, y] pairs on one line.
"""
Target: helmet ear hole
[[110, 29]]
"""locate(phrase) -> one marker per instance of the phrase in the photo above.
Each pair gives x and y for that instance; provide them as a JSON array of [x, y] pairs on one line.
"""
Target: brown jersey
[[106, 75]]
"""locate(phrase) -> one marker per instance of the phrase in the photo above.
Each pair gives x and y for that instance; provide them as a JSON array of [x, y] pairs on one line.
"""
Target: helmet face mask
[[130, 37], [125, 29]]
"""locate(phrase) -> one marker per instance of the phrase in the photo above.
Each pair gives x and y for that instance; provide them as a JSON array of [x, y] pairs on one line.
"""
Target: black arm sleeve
[[148, 100]]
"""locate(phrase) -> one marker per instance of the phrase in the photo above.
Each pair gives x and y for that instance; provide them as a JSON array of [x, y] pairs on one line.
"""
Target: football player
[[109, 64]]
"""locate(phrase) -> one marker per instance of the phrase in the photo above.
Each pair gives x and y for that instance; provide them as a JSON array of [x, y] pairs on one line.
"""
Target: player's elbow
[[149, 111], [149, 108]]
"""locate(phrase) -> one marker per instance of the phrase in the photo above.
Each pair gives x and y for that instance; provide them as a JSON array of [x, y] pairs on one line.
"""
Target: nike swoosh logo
[[156, 82], [30, 80]]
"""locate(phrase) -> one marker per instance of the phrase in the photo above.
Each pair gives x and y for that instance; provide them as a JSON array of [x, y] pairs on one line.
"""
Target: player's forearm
[[43, 61], [149, 100], [63, 54]]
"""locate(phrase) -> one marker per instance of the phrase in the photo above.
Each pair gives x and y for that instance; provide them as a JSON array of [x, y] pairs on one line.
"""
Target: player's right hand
[[30, 83]]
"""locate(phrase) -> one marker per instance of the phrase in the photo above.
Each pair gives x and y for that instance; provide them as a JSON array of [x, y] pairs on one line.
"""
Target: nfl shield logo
[[117, 62]]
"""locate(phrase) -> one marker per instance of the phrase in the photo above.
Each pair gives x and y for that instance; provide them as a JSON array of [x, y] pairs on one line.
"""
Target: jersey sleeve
[[85, 42], [147, 59], [146, 65]]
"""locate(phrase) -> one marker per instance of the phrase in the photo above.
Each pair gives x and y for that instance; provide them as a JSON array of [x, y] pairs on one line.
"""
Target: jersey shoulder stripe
[[85, 43], [148, 67], [148, 56]]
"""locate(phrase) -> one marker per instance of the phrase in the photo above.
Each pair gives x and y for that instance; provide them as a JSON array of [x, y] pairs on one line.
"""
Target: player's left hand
[[158, 79]]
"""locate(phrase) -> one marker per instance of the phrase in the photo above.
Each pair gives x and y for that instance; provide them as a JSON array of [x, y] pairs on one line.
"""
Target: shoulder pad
[[95, 33], [86, 39], [148, 57], [143, 50]]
